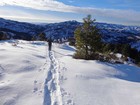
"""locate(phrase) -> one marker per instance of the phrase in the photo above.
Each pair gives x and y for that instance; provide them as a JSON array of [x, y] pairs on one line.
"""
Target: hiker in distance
[[50, 40]]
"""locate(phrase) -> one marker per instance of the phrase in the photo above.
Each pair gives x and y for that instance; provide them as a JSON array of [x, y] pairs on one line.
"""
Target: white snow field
[[30, 75]]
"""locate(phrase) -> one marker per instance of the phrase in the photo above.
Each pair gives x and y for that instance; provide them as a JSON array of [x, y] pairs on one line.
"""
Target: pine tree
[[126, 50], [107, 48], [3, 35], [88, 39], [34, 38], [42, 37]]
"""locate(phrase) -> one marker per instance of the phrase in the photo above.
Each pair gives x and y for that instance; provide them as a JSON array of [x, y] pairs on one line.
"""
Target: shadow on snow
[[126, 72]]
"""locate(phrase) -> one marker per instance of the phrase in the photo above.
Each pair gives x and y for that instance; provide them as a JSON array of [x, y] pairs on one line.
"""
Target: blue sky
[[49, 11]]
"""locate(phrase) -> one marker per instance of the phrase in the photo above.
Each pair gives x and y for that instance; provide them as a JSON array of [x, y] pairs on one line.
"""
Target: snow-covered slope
[[97, 83], [29, 75], [22, 73], [111, 32], [61, 30], [20, 30]]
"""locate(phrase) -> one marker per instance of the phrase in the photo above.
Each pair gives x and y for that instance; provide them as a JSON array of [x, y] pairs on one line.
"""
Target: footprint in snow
[[35, 82], [35, 89]]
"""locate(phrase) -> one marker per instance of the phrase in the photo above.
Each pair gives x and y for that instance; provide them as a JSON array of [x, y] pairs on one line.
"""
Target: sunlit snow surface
[[25, 68]]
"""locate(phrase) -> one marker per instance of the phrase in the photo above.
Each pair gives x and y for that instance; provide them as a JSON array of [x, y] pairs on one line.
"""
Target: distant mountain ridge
[[111, 33], [20, 30]]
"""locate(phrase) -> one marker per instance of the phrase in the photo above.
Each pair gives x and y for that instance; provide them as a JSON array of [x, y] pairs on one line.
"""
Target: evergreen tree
[[42, 37], [126, 50], [107, 48], [3, 35], [34, 38], [88, 39], [71, 41]]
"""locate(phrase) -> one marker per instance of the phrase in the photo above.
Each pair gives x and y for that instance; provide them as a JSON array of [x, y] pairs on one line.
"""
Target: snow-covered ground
[[22, 73], [30, 75]]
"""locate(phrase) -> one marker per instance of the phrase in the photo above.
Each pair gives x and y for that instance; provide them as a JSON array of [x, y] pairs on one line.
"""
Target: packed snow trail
[[52, 91]]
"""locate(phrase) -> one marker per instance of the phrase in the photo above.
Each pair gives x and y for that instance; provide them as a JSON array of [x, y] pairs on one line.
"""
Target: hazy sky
[[109, 11]]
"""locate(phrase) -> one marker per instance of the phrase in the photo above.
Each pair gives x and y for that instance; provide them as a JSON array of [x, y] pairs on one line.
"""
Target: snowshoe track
[[52, 91]]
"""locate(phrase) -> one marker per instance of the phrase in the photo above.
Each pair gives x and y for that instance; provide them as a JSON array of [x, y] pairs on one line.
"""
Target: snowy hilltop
[[31, 75]]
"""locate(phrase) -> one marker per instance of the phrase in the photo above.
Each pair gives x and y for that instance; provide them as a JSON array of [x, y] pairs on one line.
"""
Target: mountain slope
[[111, 33], [30, 75], [20, 30]]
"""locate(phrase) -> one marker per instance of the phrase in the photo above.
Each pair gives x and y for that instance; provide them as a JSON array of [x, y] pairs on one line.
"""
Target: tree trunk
[[86, 54]]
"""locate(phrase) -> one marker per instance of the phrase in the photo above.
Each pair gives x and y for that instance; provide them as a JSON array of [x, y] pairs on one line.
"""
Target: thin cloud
[[71, 1], [53, 5], [21, 15]]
